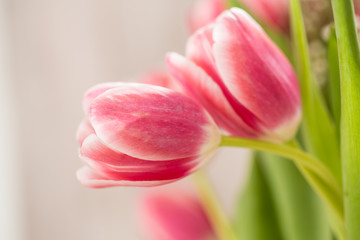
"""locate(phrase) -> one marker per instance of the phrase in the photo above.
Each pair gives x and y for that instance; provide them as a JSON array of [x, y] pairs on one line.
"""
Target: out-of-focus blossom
[[160, 77], [174, 215], [316, 14], [274, 13], [142, 135], [357, 17], [204, 12], [241, 77], [357, 7]]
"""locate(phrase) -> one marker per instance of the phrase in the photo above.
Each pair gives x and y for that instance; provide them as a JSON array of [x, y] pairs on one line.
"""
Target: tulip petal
[[97, 90], [254, 69], [84, 130], [162, 79], [200, 51], [89, 178], [274, 12], [204, 12], [200, 86], [174, 214], [152, 123], [119, 167]]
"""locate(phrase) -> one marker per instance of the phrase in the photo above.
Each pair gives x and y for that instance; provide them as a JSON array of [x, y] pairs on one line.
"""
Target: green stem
[[349, 58], [318, 176], [318, 129], [213, 209]]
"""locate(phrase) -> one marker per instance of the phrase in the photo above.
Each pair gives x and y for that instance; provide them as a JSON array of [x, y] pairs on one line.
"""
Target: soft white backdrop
[[58, 49]]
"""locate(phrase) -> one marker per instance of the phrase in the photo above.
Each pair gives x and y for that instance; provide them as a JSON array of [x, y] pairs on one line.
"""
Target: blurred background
[[52, 51]]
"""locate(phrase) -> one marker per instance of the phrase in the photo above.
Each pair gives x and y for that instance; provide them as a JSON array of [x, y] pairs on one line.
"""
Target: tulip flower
[[142, 135], [241, 77], [204, 12], [174, 215], [160, 77], [357, 7], [274, 13]]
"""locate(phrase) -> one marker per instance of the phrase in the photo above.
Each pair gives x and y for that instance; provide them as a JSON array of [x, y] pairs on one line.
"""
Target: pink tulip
[[274, 13], [160, 77], [357, 7], [357, 16], [174, 215], [241, 77], [204, 12], [142, 135]]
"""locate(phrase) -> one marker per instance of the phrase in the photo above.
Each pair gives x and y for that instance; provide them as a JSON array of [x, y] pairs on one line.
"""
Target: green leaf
[[318, 176], [334, 80], [318, 129], [280, 39], [349, 59], [256, 217], [300, 212]]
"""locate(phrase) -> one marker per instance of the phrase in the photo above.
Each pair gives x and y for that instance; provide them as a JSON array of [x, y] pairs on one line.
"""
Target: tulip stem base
[[214, 211], [318, 176]]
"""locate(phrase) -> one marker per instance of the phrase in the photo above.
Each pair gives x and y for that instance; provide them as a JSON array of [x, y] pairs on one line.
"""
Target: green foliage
[[318, 130], [277, 203], [349, 64], [300, 212], [334, 83], [233, 3], [256, 217]]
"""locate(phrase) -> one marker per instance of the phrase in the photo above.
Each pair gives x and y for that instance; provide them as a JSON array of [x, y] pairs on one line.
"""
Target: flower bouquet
[[279, 77]]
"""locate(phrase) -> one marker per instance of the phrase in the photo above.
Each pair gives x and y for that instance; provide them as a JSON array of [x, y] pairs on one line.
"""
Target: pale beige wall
[[59, 49], [11, 220]]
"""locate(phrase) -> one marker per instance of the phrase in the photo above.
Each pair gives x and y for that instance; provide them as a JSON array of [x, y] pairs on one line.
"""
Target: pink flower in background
[[162, 78], [204, 12], [174, 215], [241, 77], [274, 13], [142, 135], [357, 6]]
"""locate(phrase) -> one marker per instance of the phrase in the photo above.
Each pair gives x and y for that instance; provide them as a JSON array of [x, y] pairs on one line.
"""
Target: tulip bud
[[241, 77], [142, 135], [357, 16], [160, 77], [274, 13], [204, 12], [174, 215], [357, 7]]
